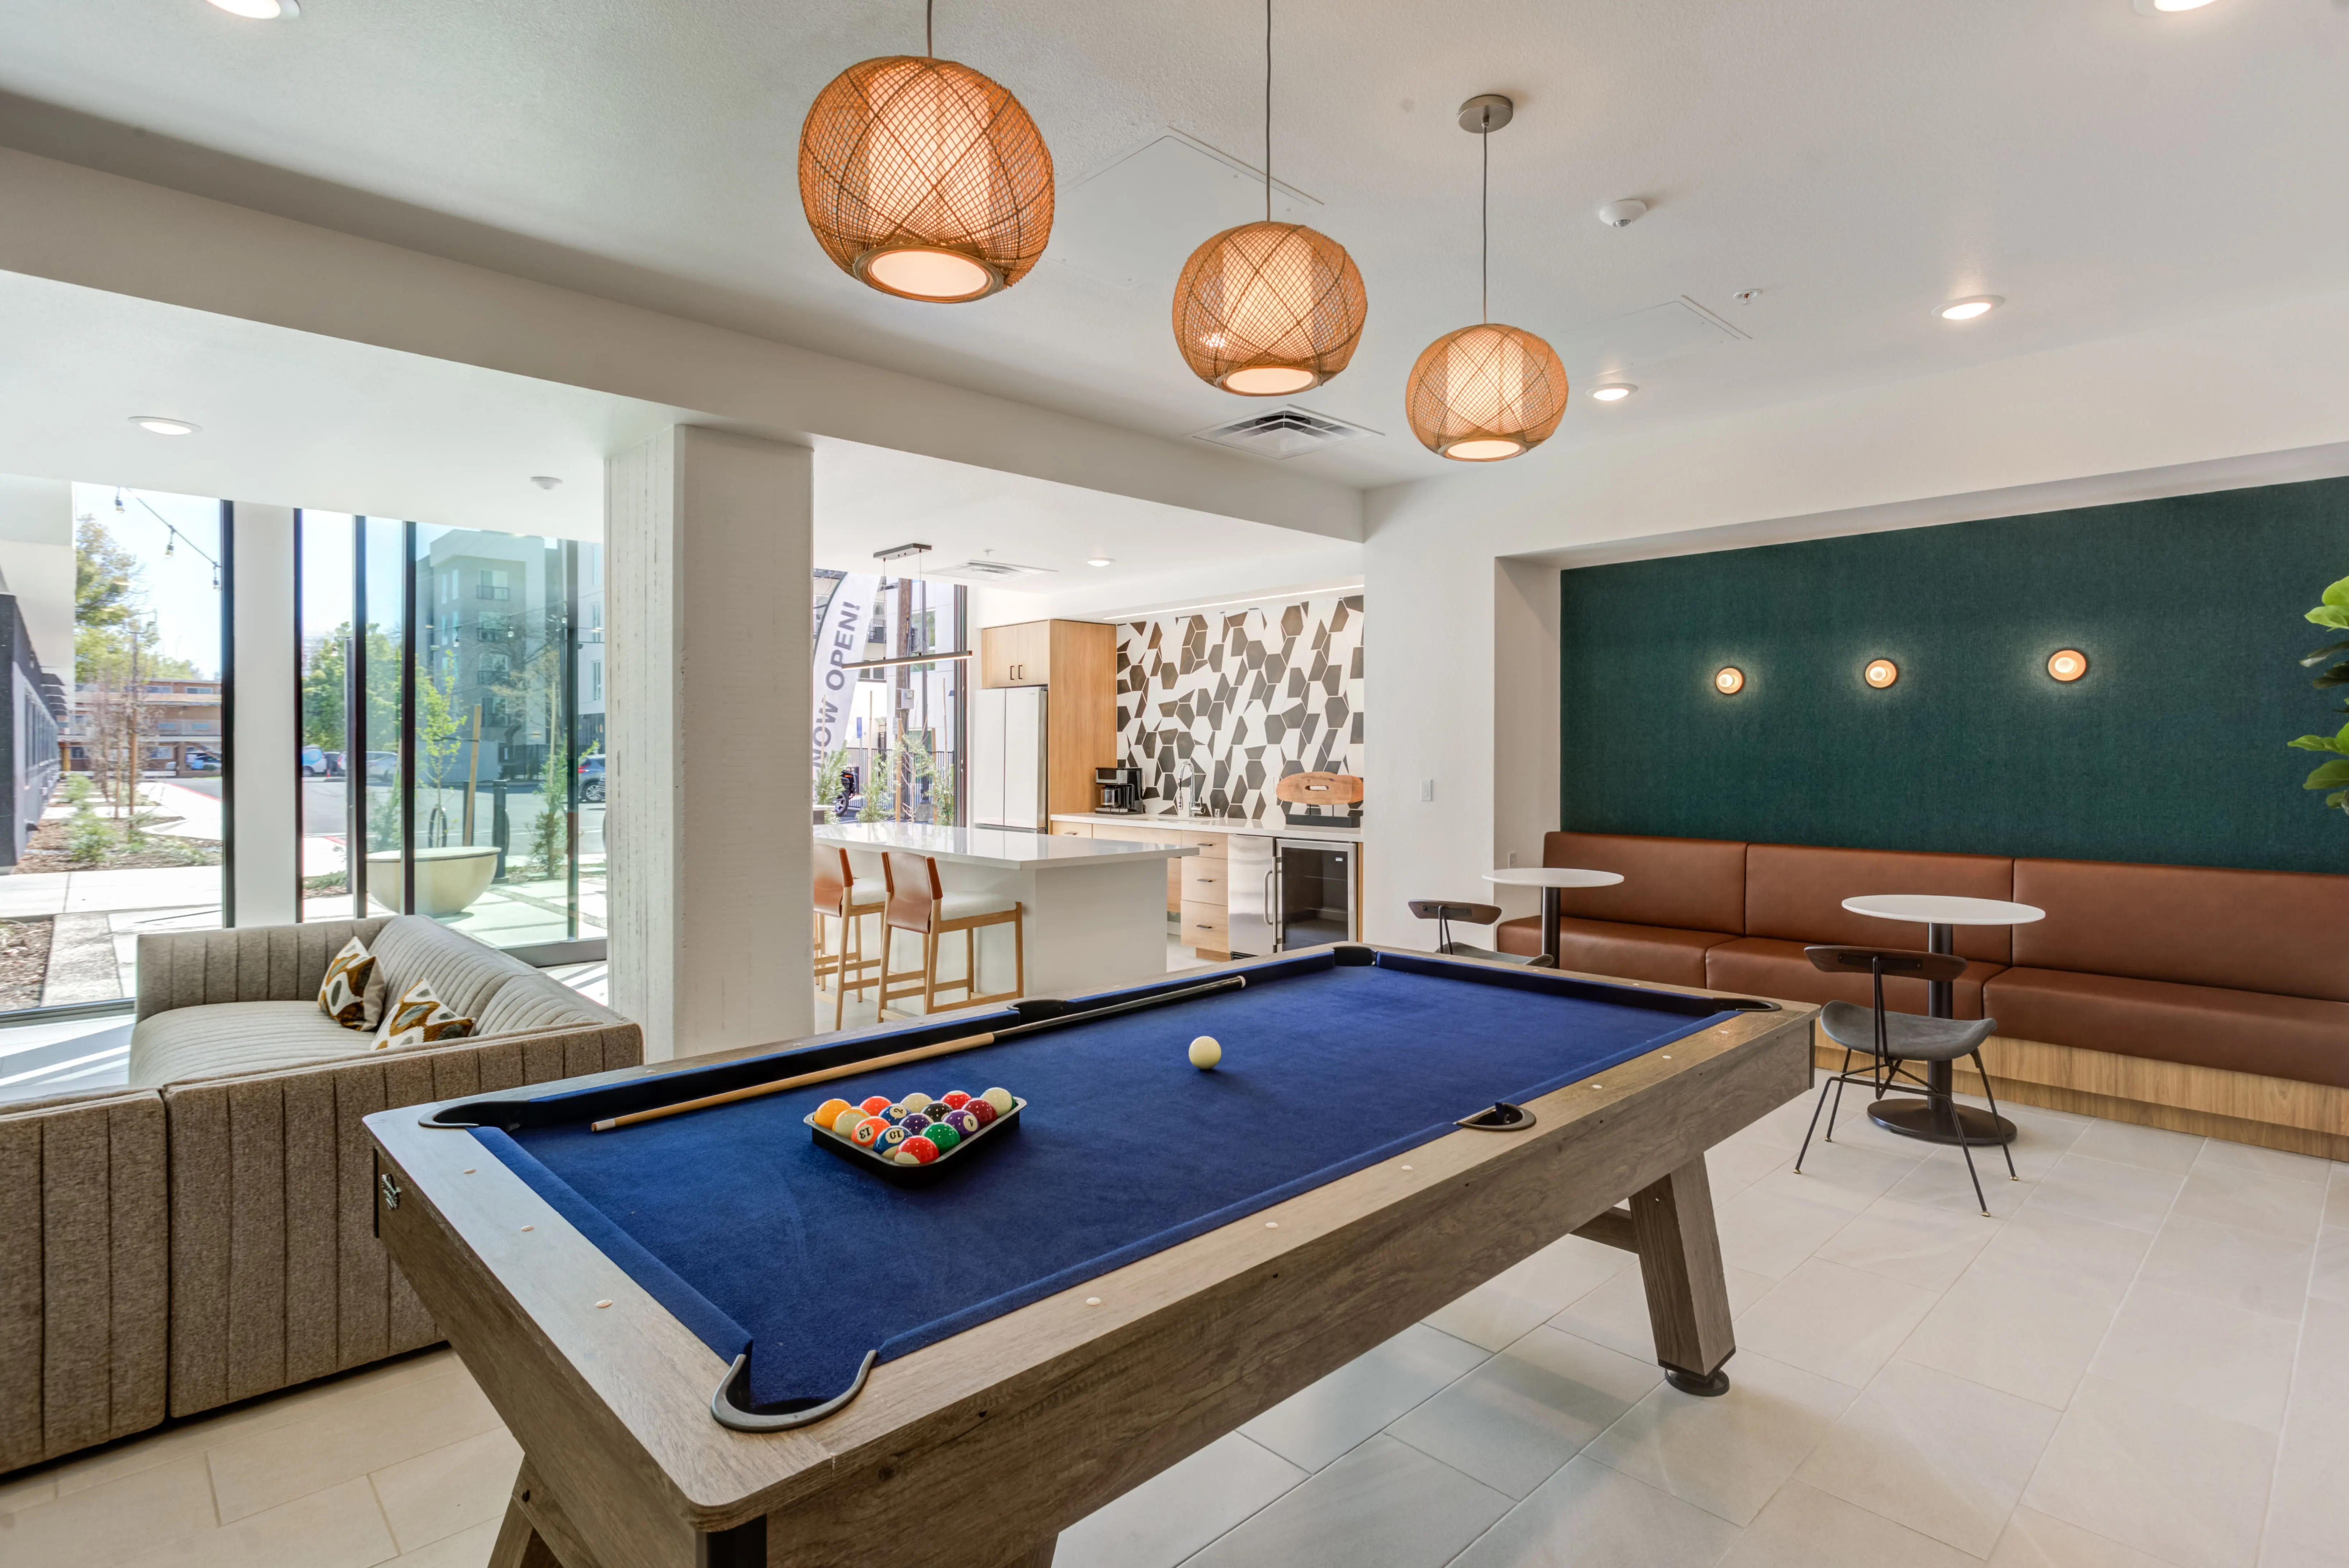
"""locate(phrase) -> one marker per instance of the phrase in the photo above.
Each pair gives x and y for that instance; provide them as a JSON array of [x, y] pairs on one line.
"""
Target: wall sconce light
[[1729, 680], [1881, 673], [2067, 665]]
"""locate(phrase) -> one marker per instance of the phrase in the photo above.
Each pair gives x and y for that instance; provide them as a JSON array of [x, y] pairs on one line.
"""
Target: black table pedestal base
[[1912, 1118]]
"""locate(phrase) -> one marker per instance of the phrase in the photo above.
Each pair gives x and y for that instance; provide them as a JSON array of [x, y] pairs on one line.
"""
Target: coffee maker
[[1118, 790]]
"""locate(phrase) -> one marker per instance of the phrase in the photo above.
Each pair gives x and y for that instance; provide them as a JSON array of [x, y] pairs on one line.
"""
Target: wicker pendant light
[[1488, 391], [925, 179], [1267, 308]]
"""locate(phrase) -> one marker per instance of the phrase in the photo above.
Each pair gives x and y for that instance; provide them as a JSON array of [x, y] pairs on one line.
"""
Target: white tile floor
[[2143, 1361]]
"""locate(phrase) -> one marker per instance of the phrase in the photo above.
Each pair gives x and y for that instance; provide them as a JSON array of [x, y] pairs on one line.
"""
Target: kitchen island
[[1093, 910], [1230, 902]]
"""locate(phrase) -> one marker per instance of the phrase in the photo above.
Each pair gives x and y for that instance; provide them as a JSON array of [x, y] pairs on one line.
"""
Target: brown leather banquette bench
[[2197, 998]]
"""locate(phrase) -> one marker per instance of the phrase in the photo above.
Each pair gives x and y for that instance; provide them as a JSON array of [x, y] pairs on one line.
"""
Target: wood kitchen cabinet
[[1022, 654], [1076, 663]]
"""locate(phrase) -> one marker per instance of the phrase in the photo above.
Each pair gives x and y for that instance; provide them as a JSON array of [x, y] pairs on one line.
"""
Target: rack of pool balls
[[917, 1130]]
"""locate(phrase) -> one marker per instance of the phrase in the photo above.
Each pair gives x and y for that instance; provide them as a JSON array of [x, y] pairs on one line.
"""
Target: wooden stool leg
[[929, 972], [970, 961], [840, 980]]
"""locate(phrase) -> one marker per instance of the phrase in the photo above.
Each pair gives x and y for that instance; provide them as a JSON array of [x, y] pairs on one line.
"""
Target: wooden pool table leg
[[534, 1533], [1688, 1297]]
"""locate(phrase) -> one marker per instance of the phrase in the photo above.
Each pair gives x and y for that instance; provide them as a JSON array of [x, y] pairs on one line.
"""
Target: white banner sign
[[840, 640]]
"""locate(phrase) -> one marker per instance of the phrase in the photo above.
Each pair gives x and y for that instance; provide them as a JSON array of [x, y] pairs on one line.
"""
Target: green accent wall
[[2171, 749]]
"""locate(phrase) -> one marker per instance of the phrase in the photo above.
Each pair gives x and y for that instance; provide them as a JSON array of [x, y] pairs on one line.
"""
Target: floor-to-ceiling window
[[111, 611], [887, 741], [475, 759]]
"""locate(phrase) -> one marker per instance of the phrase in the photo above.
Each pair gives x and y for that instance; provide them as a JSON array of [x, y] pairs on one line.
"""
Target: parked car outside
[[383, 767], [591, 777], [321, 764], [200, 761]]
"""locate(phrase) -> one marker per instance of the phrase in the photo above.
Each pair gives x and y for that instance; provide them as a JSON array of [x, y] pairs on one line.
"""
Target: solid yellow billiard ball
[[1205, 1053]]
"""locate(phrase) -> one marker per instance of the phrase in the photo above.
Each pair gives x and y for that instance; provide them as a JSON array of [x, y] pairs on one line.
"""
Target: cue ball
[[1205, 1053]]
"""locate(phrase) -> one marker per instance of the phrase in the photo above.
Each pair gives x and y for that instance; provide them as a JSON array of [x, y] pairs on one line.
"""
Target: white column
[[264, 749], [707, 545]]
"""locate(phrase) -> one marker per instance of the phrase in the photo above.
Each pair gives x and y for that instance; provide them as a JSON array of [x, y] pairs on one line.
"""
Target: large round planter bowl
[[448, 879]]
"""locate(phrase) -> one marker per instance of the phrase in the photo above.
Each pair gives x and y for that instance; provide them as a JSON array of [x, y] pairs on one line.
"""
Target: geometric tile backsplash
[[1249, 698]]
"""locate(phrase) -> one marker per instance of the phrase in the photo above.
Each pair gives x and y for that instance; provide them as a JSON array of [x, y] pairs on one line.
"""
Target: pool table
[[719, 1341]]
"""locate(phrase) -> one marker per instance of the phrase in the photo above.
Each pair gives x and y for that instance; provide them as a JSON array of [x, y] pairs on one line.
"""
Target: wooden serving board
[[1320, 790]]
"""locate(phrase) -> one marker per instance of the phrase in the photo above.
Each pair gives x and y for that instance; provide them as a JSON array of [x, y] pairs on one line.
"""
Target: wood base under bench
[[2242, 1107]]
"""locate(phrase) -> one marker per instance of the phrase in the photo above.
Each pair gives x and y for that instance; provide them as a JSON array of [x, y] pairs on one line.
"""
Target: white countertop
[[1271, 827], [990, 846]]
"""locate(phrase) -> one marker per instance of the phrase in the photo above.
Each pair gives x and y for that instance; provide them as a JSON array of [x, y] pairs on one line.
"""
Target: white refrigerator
[[1008, 765]]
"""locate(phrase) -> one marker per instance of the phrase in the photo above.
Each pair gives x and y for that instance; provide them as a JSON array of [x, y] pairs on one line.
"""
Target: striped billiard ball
[[962, 1121], [1001, 1098], [846, 1122], [922, 1150], [829, 1111], [866, 1134], [890, 1138]]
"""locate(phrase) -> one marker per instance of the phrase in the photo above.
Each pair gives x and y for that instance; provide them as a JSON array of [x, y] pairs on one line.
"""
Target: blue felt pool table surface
[[760, 1242]]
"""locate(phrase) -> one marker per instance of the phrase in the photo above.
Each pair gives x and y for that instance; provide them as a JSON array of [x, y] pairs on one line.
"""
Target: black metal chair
[[1892, 1041], [1445, 911]]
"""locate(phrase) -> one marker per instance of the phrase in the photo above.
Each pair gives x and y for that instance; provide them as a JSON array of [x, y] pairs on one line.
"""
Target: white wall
[[706, 828], [1461, 669]]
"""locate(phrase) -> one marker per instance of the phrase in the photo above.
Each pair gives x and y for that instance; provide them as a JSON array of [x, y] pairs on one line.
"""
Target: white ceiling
[[292, 418], [1854, 161], [869, 499]]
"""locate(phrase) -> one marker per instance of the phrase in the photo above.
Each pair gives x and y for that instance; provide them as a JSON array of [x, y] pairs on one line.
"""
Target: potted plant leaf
[[2333, 775]]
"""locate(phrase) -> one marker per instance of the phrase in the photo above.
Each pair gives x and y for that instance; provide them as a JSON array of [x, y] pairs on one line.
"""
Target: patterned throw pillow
[[420, 1018], [343, 995]]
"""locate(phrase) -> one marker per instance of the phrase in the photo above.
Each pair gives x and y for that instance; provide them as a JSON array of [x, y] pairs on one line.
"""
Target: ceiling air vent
[[990, 571], [1283, 433]]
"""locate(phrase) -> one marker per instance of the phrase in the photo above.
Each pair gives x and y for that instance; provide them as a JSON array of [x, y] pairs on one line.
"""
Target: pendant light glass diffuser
[[1267, 309], [1488, 391], [925, 179]]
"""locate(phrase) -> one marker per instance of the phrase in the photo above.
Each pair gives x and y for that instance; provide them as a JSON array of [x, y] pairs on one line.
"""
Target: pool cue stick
[[919, 1053]]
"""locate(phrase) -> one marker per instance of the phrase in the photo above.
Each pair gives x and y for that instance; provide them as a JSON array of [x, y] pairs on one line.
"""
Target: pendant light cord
[[1267, 110], [930, 28], [1485, 273]]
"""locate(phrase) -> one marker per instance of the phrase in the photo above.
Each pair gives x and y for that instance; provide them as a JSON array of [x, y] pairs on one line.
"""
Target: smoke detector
[[1622, 214], [1283, 433]]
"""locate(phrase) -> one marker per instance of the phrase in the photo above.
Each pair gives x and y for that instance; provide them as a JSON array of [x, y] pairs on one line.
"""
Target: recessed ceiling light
[[2067, 665], [545, 481], [1097, 561], [1612, 391], [262, 10], [2157, 7], [157, 425], [1729, 680], [1970, 307], [1881, 673]]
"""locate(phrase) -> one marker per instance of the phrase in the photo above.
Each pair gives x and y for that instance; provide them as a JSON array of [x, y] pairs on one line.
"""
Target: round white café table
[[1937, 1119], [1551, 879]]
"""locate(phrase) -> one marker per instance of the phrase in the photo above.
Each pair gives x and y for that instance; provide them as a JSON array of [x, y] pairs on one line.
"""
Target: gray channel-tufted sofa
[[206, 1234]]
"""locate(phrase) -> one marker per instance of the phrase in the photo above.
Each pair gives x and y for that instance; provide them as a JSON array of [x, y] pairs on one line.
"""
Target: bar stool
[[839, 896], [919, 906], [1891, 1039]]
